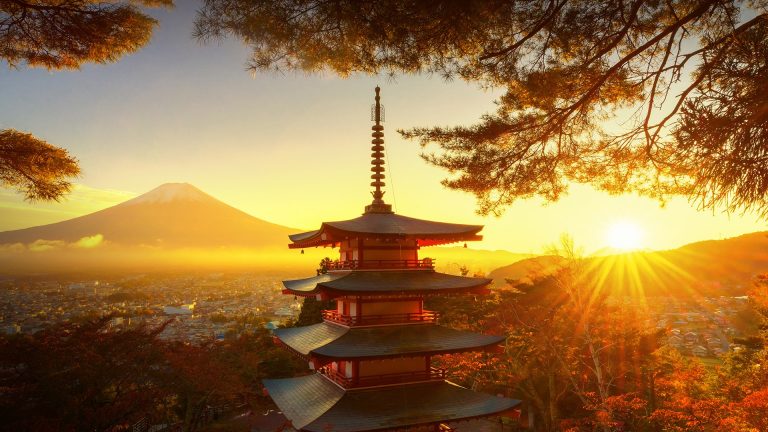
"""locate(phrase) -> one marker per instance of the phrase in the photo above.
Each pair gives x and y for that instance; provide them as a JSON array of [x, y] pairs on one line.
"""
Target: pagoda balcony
[[407, 264], [433, 374], [371, 320]]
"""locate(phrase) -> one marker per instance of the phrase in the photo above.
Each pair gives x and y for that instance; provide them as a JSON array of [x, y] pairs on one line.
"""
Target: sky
[[292, 148]]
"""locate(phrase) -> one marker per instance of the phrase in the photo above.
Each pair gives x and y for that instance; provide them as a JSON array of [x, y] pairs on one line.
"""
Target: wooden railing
[[432, 374], [365, 320], [426, 263]]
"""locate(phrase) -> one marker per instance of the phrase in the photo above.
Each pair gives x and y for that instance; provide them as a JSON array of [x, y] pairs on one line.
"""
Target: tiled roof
[[305, 339], [335, 341], [379, 282], [314, 404], [303, 399], [389, 224]]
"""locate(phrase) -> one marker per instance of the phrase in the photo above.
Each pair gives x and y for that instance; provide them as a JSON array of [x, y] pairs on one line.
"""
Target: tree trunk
[[602, 387], [536, 405], [554, 415]]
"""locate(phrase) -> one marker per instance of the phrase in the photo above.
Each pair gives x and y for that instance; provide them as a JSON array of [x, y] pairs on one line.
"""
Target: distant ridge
[[710, 267], [173, 215]]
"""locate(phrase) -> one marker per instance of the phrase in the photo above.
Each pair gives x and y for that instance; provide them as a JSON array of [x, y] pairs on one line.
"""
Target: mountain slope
[[477, 261], [712, 267], [172, 215], [526, 270]]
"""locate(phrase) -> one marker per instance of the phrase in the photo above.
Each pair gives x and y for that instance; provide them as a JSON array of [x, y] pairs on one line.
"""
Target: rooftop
[[428, 233], [338, 342], [313, 403], [384, 282]]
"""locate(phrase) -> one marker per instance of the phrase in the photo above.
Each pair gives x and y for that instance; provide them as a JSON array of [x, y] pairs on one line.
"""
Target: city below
[[216, 306]]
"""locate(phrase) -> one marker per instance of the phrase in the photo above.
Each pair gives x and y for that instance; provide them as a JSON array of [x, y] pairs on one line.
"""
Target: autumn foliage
[[92, 377], [591, 365], [577, 365]]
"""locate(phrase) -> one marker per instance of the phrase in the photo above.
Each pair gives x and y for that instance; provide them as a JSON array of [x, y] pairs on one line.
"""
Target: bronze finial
[[377, 162]]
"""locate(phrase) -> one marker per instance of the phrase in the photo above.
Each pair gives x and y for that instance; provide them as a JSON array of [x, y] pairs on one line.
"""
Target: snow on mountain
[[170, 192]]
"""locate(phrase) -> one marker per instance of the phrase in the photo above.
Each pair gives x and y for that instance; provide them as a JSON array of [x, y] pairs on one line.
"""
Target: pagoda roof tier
[[315, 404], [332, 341], [386, 282], [383, 225]]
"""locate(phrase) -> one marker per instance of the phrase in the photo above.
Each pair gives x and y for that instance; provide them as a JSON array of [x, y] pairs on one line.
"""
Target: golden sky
[[527, 227], [291, 149]]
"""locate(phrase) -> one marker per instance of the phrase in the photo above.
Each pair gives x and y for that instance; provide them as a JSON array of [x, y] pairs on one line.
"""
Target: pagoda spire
[[377, 159]]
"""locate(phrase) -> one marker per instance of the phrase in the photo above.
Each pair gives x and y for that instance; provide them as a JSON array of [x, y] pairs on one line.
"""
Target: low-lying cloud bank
[[96, 253], [42, 245]]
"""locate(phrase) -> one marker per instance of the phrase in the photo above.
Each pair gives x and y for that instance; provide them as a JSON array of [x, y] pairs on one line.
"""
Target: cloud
[[45, 245], [90, 241], [13, 247], [42, 245]]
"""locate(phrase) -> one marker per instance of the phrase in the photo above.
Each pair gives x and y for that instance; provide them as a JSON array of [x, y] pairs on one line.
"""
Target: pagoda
[[371, 356]]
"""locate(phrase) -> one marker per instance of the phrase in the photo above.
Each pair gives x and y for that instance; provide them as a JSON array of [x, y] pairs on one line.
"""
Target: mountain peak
[[171, 216], [171, 192]]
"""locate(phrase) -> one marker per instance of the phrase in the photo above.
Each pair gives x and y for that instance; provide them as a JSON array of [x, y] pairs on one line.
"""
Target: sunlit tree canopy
[[661, 98], [65, 34], [34, 167]]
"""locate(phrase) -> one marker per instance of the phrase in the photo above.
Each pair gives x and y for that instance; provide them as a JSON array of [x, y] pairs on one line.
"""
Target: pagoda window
[[347, 307], [348, 250], [344, 368]]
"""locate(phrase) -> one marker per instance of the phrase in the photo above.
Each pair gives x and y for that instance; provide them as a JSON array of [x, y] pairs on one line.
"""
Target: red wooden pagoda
[[372, 354]]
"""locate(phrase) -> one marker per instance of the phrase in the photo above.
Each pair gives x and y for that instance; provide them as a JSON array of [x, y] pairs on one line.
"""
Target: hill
[[477, 261], [525, 270], [712, 267]]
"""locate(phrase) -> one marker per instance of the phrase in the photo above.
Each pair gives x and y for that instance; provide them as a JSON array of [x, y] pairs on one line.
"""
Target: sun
[[624, 235]]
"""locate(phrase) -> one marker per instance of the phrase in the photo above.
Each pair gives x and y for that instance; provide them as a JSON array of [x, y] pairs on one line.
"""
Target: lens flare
[[624, 235]]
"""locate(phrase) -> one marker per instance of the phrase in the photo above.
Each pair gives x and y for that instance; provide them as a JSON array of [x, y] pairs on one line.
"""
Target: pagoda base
[[313, 403]]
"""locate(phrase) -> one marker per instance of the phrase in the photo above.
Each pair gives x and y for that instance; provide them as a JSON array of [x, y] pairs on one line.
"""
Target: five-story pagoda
[[372, 354]]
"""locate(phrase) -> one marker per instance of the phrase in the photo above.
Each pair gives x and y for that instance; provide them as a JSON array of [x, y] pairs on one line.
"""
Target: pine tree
[[662, 98], [61, 34]]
